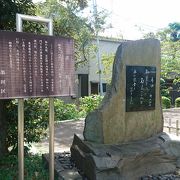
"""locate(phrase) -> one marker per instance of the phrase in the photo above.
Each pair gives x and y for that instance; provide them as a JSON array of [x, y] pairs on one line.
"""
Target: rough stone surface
[[161, 177], [64, 167], [129, 161], [110, 123]]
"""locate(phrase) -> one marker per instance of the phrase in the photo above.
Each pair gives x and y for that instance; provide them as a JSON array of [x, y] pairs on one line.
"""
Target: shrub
[[162, 81], [33, 166], [176, 80], [177, 102], [35, 121], [36, 115], [65, 111], [166, 102], [89, 103], [164, 89], [165, 93]]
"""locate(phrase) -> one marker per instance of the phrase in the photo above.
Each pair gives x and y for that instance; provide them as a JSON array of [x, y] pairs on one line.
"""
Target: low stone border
[[64, 167]]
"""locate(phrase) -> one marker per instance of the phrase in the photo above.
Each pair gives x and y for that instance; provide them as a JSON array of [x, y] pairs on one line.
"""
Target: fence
[[173, 127]]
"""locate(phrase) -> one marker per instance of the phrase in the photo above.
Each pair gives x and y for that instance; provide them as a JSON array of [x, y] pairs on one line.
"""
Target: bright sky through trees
[[132, 18]]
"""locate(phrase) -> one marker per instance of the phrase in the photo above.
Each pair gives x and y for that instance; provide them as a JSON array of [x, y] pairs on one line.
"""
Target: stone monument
[[131, 109], [123, 138]]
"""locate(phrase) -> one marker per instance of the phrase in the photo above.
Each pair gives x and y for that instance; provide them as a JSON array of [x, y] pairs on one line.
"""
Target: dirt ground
[[65, 130]]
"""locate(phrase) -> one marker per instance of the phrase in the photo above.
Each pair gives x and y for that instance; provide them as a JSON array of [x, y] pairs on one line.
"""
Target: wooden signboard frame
[[19, 20]]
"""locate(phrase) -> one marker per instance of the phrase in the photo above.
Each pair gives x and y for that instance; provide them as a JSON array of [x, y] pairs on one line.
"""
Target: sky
[[131, 19]]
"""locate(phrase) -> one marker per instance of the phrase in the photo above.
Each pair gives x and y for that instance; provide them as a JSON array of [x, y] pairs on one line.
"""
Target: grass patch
[[33, 165]]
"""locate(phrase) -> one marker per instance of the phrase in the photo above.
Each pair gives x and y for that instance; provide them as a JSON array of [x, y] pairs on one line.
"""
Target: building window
[[104, 87], [95, 88], [83, 85]]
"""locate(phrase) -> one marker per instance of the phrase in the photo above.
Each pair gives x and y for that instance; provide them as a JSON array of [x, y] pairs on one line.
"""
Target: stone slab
[[64, 169], [70, 175], [128, 161]]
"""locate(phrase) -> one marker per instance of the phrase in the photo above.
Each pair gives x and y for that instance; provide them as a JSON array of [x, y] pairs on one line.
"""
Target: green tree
[[175, 31], [170, 51], [170, 45], [69, 22], [170, 54], [8, 12], [170, 58], [107, 61], [150, 35]]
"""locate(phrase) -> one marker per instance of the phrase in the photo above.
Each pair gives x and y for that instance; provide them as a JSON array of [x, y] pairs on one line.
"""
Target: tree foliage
[[89, 104], [36, 113], [170, 54], [9, 9], [68, 22], [107, 61], [35, 121], [175, 31], [170, 59], [170, 45], [8, 12]]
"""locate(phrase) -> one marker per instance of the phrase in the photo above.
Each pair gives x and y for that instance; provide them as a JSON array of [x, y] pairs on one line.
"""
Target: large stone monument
[[123, 138], [131, 109]]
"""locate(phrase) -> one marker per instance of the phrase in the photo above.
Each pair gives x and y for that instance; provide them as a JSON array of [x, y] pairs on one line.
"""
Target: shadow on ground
[[64, 132]]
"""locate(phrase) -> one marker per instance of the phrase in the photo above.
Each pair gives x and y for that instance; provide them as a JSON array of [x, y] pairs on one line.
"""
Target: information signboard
[[35, 65]]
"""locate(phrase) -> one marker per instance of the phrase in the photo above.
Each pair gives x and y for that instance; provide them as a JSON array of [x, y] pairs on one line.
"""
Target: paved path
[[65, 130]]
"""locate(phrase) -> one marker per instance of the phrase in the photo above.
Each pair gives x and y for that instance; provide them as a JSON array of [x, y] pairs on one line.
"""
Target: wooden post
[[21, 138], [19, 18], [177, 128], [51, 121], [169, 125], [51, 138]]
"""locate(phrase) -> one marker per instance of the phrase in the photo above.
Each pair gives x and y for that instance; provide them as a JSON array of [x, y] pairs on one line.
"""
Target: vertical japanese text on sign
[[35, 65]]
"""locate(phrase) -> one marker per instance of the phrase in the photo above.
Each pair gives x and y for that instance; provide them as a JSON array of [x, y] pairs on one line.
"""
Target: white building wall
[[106, 46]]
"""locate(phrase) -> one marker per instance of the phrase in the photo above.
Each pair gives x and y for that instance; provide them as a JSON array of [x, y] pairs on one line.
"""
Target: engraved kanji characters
[[141, 83], [2, 82]]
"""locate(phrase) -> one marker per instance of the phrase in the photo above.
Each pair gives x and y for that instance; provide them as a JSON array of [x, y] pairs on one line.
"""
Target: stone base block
[[64, 168], [130, 161]]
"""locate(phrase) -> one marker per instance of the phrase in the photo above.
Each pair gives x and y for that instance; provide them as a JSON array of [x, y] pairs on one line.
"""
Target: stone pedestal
[[129, 161]]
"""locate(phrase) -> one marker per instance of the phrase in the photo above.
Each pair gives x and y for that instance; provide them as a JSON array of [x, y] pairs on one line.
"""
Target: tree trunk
[[3, 128]]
